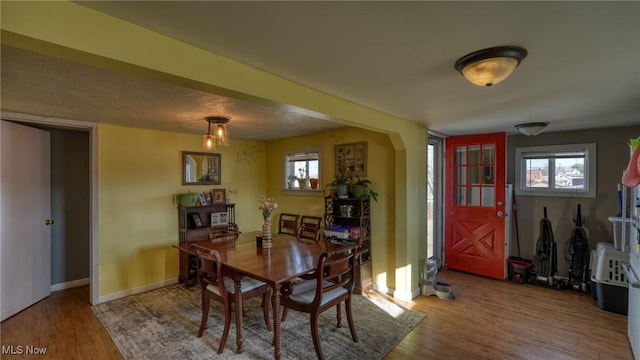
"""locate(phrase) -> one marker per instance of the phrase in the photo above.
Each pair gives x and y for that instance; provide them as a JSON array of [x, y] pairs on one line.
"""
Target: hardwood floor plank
[[64, 325], [492, 319], [488, 319]]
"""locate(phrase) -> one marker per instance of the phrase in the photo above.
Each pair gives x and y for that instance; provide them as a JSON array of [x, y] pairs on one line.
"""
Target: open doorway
[[74, 255]]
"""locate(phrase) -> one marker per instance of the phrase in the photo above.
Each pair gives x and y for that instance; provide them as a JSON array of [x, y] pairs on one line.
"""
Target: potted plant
[[303, 180], [360, 189], [340, 182], [292, 181]]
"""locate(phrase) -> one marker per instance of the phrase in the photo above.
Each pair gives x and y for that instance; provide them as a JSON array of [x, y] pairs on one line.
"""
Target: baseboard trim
[[69, 284], [141, 289]]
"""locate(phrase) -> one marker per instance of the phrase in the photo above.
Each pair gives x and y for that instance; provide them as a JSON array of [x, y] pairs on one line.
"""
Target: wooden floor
[[488, 319]]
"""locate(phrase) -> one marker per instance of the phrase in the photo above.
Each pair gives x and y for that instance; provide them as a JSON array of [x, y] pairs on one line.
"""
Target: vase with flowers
[[267, 205]]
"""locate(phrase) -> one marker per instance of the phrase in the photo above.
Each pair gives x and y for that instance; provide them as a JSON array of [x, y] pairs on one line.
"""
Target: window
[[556, 170], [302, 171]]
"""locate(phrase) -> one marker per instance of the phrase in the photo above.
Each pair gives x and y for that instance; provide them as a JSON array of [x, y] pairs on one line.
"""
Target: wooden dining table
[[286, 260]]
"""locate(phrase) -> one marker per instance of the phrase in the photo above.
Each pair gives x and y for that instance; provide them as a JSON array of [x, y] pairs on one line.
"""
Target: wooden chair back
[[310, 228], [335, 271], [288, 223], [210, 271]]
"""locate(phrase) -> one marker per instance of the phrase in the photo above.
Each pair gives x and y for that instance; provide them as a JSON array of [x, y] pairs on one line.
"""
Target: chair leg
[[339, 315], [205, 314], [352, 328], [227, 325], [315, 335], [265, 310]]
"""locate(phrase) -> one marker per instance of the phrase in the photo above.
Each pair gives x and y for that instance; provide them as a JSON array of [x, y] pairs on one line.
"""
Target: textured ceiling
[[583, 68], [41, 85]]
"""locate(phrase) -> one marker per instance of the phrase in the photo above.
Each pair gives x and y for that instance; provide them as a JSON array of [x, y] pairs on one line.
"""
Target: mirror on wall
[[200, 168]]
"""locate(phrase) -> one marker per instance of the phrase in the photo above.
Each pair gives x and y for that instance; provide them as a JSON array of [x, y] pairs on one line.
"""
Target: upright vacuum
[[545, 261], [577, 253]]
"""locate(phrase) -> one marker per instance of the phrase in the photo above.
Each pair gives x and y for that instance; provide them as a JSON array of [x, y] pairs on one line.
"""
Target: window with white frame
[[556, 170], [302, 170]]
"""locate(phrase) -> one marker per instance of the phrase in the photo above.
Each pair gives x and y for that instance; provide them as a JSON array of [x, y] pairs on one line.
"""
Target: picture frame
[[195, 220], [353, 156], [219, 196], [219, 218], [203, 199], [209, 197]]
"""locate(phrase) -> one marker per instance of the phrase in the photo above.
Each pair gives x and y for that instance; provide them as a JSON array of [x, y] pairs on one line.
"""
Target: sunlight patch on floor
[[390, 308]]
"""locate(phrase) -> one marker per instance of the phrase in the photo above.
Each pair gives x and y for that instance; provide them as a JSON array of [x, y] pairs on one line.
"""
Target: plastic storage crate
[[612, 288], [593, 265]]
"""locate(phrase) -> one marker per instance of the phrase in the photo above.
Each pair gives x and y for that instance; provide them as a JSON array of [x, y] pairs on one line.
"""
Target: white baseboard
[[396, 295], [383, 289], [141, 289], [69, 284]]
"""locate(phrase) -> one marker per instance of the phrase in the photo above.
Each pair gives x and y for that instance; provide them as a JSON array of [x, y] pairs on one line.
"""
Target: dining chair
[[329, 284], [288, 223], [221, 288], [310, 228]]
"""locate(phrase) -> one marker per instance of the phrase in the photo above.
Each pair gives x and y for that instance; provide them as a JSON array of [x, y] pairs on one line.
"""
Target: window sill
[[300, 192]]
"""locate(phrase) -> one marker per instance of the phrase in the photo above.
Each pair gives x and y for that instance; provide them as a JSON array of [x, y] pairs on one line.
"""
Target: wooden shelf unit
[[361, 217], [188, 232]]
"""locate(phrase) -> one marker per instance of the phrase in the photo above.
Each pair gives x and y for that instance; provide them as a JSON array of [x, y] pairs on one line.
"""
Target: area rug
[[163, 324]]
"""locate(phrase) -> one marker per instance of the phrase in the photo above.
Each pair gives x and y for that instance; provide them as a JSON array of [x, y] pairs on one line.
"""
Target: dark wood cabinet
[[201, 223], [356, 213]]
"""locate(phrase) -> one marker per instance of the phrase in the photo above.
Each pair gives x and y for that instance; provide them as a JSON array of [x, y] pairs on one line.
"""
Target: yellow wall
[[139, 172], [71, 31], [380, 160]]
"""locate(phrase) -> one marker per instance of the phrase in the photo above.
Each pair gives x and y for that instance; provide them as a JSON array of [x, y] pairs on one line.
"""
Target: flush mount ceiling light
[[488, 67], [531, 129], [220, 134]]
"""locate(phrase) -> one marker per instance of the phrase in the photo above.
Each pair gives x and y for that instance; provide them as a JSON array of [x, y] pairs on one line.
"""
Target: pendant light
[[220, 135]]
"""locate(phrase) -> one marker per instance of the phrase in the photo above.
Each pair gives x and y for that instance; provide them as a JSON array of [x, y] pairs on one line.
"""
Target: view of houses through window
[[555, 173], [556, 170]]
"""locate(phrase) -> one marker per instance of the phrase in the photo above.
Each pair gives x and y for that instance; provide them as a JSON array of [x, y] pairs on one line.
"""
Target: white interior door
[[25, 206]]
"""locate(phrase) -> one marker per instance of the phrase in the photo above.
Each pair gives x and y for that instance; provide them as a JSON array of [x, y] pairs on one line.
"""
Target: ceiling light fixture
[[220, 134], [531, 129], [488, 67]]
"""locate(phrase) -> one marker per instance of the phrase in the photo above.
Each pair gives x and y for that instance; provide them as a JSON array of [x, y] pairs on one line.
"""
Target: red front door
[[475, 204]]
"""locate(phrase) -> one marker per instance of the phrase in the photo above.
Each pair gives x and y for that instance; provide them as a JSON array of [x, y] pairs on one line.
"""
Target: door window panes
[[474, 172]]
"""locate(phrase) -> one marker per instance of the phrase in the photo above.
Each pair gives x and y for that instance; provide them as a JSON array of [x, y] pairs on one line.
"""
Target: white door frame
[[93, 184]]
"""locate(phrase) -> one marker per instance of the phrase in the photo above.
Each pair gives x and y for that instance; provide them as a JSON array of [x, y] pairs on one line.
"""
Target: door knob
[[48, 222], [500, 213]]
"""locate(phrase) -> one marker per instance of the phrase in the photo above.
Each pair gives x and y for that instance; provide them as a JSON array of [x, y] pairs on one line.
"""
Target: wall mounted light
[[220, 135], [488, 67], [531, 129]]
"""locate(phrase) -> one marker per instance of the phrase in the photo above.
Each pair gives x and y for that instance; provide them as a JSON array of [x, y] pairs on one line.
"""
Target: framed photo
[[203, 199], [219, 218], [209, 197], [195, 220], [353, 157], [219, 196]]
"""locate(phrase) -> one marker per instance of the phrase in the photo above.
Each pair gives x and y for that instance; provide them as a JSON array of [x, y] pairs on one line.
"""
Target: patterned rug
[[163, 324]]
